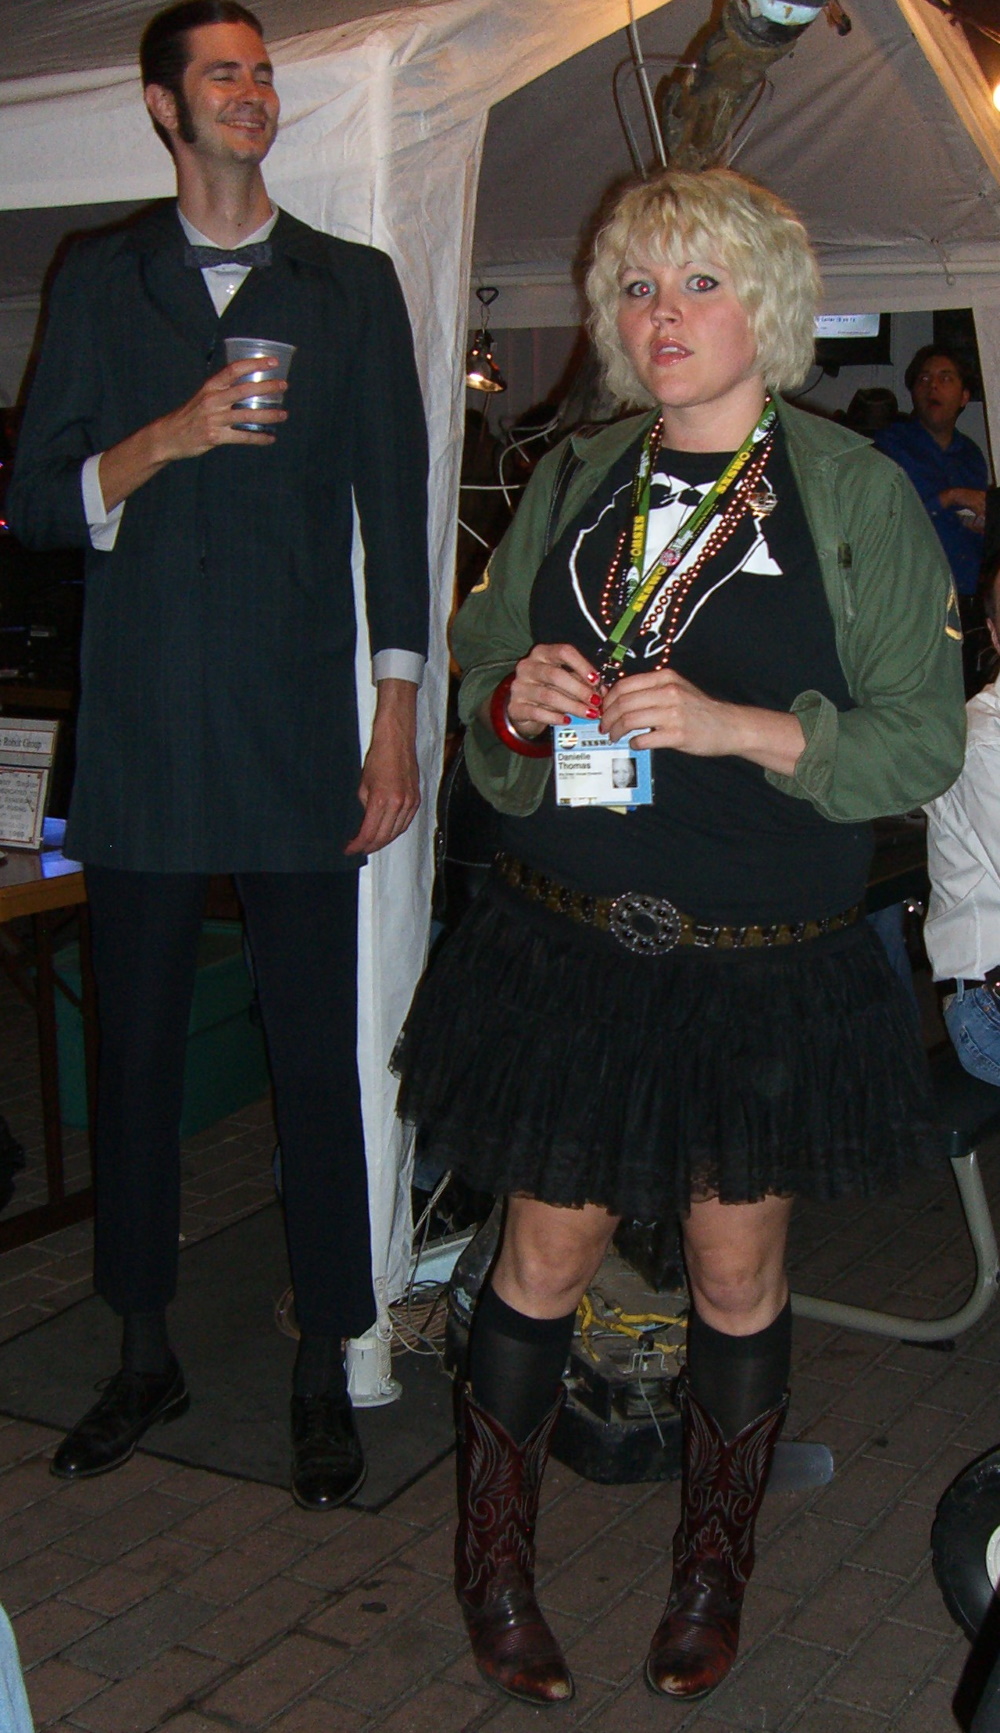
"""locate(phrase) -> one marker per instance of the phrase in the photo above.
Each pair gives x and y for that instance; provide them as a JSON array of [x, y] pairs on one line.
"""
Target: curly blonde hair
[[719, 216]]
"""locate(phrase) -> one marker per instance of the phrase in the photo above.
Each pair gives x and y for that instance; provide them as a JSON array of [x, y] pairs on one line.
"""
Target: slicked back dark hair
[[164, 54]]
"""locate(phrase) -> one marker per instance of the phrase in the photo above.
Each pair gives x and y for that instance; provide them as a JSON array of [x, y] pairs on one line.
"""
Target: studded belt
[[652, 926]]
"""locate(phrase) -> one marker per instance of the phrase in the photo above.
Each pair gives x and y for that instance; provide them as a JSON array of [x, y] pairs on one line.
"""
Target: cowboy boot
[[722, 1486], [498, 1487]]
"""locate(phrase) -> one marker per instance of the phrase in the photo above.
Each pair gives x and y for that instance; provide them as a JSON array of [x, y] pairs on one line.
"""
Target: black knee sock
[[145, 1344], [516, 1363], [736, 1378], [319, 1367]]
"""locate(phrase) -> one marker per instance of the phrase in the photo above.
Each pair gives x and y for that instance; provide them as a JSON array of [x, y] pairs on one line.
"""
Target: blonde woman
[[677, 1008]]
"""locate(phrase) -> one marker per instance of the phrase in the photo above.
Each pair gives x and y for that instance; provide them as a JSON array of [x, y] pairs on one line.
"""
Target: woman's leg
[[733, 1401], [739, 1328], [735, 1256], [524, 1322], [506, 1414]]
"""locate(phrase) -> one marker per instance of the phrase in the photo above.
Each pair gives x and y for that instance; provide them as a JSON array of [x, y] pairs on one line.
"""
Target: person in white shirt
[[962, 930]]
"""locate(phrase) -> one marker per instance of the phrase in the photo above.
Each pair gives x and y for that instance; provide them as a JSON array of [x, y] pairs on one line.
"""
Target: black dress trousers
[[303, 933]]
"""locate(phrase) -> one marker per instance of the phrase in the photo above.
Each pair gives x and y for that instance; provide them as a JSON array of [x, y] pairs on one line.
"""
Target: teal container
[[226, 1064]]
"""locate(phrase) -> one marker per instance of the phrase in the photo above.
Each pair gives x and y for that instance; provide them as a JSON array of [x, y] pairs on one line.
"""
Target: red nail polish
[[593, 678], [567, 718], [592, 715]]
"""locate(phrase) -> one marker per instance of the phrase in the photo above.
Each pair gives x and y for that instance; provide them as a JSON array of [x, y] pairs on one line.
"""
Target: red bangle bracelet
[[504, 729]]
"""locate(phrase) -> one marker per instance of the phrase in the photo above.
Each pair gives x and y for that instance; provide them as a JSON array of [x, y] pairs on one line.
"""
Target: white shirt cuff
[[103, 525], [398, 665]]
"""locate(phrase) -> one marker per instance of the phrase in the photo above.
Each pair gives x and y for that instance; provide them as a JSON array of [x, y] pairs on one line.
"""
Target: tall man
[[218, 725]]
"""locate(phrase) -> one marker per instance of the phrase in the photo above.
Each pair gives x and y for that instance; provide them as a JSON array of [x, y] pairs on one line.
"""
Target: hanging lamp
[[481, 371]]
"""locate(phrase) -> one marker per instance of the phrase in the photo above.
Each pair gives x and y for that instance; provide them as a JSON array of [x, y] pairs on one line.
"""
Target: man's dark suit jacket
[[218, 721]]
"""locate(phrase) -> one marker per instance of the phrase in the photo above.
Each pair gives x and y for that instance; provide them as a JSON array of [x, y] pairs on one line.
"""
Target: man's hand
[[389, 789], [967, 499], [208, 419], [211, 416]]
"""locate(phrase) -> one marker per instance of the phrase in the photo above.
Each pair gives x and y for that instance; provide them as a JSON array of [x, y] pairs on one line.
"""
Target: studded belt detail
[[651, 926]]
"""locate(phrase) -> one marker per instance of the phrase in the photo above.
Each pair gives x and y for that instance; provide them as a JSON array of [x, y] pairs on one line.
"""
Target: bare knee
[[732, 1288], [735, 1257], [549, 1256]]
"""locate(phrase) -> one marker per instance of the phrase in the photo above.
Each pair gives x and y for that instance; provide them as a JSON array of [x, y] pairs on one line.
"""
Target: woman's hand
[[673, 713], [552, 682]]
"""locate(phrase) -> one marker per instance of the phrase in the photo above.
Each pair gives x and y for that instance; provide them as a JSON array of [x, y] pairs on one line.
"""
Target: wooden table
[[39, 884]]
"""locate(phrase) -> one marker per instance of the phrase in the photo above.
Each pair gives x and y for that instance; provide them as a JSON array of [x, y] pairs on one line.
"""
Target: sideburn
[[185, 121]]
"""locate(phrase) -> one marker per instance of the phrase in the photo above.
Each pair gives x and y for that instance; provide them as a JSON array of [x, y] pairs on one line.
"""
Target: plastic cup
[[248, 349]]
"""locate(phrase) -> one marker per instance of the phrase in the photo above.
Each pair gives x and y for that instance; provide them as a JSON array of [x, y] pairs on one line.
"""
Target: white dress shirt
[[222, 283], [962, 929]]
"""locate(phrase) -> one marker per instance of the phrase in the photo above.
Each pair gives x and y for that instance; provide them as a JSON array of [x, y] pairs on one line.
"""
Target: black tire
[[967, 1516]]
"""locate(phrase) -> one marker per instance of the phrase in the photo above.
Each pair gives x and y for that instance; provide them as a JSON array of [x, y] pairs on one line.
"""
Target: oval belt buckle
[[649, 926]]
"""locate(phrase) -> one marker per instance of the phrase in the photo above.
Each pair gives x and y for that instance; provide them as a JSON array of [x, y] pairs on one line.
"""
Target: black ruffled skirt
[[542, 1057]]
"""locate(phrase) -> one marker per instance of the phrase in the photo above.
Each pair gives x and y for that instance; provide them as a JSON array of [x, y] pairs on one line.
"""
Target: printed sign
[[27, 748]]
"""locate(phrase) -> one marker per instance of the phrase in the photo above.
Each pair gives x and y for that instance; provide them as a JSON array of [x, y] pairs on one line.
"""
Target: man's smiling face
[[228, 107]]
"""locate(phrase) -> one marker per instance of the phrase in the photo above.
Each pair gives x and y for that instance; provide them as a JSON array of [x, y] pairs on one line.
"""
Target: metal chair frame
[[970, 1110]]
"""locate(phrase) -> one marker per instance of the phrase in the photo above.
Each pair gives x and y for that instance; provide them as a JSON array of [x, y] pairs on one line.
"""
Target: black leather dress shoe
[[110, 1431], [328, 1463]]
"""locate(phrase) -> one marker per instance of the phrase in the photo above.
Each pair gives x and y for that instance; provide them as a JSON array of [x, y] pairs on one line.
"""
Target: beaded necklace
[[670, 603], [626, 592]]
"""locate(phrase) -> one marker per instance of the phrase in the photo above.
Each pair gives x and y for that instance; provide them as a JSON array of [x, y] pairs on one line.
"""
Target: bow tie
[[199, 258]]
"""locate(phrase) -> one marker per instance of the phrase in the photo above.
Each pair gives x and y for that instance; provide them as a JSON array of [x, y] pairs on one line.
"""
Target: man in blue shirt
[[949, 473]]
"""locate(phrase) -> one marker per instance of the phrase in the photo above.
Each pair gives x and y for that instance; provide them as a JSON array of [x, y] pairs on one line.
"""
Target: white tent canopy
[[886, 141]]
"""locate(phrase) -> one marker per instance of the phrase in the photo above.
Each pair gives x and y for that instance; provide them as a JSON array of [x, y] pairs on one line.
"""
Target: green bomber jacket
[[890, 593]]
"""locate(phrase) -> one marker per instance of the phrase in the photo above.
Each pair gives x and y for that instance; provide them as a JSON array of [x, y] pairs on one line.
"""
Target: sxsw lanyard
[[640, 590]]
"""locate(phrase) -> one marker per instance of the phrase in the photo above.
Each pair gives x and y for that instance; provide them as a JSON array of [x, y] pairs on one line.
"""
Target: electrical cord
[[411, 1332], [612, 1321], [419, 1321], [483, 543], [629, 66], [415, 1327], [626, 124], [764, 87], [503, 486]]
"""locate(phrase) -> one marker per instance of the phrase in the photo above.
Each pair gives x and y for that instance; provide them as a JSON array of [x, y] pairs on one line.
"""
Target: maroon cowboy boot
[[723, 1482], [498, 1487]]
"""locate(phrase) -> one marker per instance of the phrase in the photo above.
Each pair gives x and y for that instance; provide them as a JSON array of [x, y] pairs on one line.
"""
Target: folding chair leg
[[979, 1222]]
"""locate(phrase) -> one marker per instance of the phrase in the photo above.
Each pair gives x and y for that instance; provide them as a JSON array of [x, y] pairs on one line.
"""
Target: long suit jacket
[[218, 720]]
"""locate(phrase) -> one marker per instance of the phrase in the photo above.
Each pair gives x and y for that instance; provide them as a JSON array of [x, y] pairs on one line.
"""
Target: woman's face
[[687, 336]]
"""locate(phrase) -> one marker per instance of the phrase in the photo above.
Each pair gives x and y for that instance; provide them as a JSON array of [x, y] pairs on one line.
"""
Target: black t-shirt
[[719, 841]]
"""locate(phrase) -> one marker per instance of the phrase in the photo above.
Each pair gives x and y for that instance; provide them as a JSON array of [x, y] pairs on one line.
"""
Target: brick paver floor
[[170, 1598]]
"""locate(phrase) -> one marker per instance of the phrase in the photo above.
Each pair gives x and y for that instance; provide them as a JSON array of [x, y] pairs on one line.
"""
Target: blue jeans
[[890, 925], [973, 1022], [15, 1716]]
